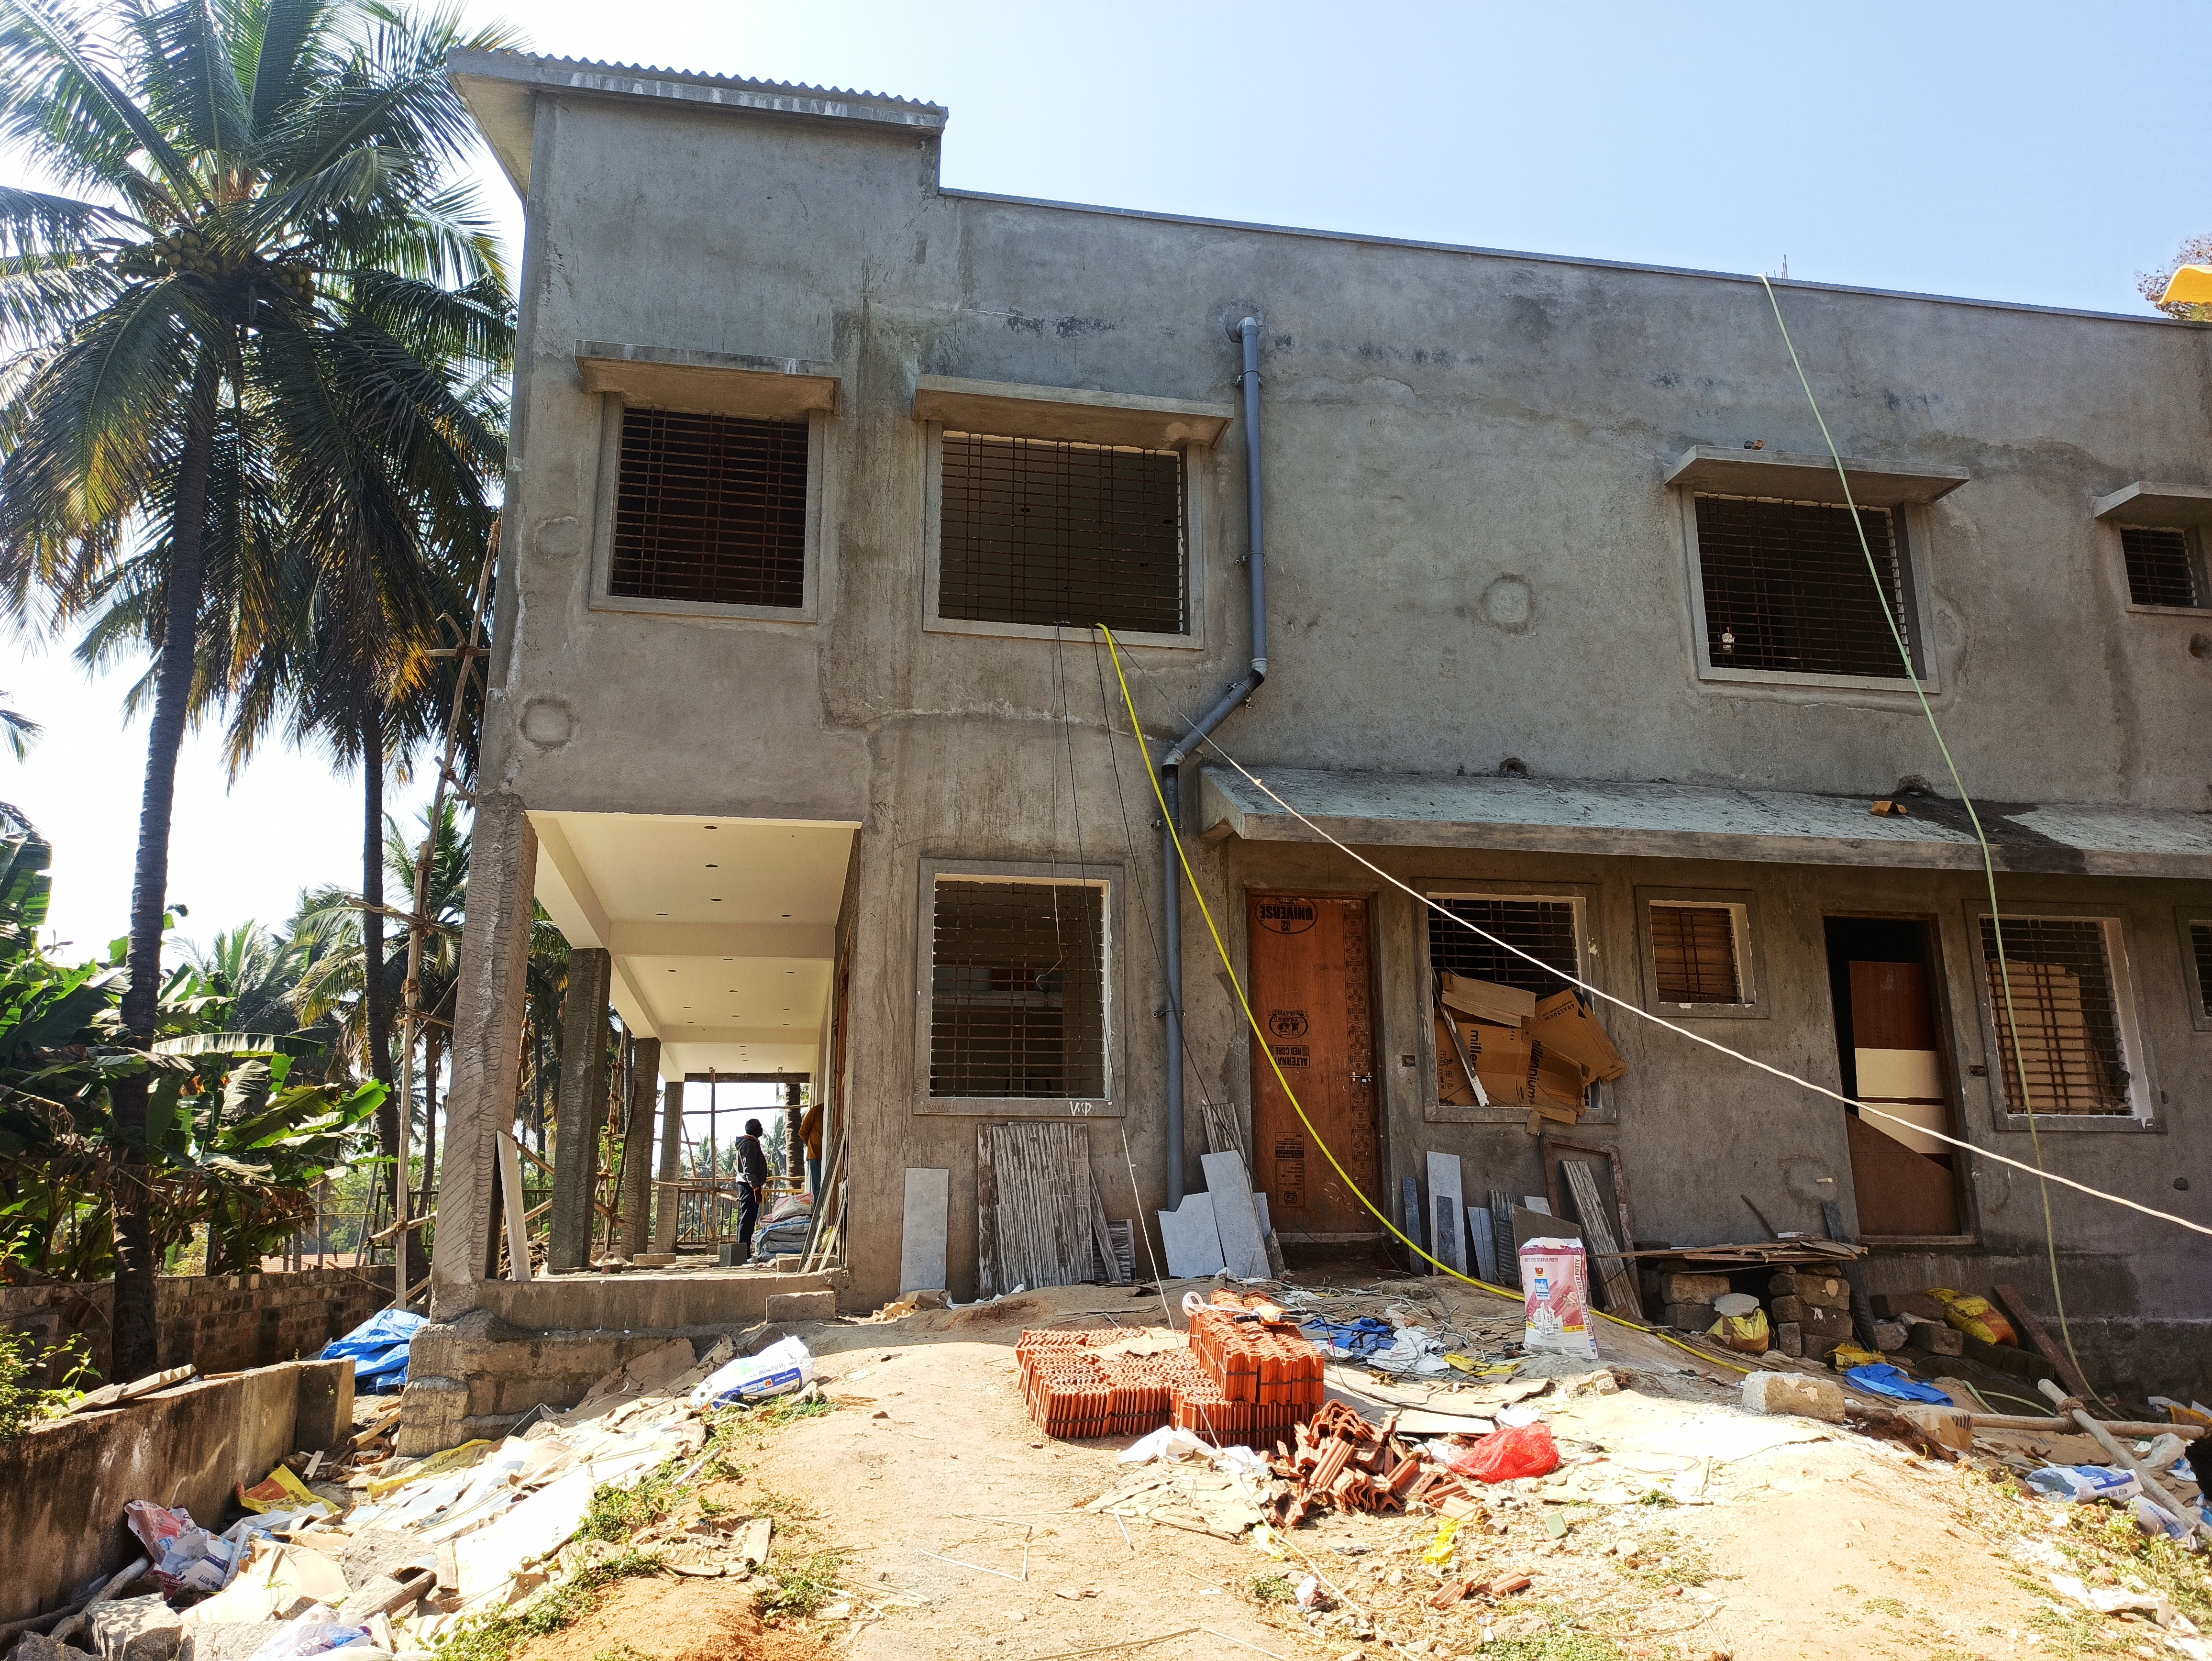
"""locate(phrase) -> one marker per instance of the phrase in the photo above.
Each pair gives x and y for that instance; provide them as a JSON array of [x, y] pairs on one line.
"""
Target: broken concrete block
[[1947, 1427], [1692, 1288], [323, 1416], [802, 1307], [135, 1629], [1895, 1305], [1888, 1335], [1690, 1318], [1789, 1339], [1794, 1392], [1828, 1291], [226, 1641], [380, 1552], [38, 1646], [1933, 1338]]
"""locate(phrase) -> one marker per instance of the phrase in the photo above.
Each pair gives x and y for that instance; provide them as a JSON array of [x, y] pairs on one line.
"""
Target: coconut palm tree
[[248, 283]]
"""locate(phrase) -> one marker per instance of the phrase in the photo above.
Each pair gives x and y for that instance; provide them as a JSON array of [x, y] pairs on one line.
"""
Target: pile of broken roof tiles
[[1340, 1461], [1247, 1376]]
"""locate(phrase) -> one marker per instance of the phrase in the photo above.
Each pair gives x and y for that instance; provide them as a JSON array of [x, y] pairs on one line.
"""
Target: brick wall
[[220, 1323]]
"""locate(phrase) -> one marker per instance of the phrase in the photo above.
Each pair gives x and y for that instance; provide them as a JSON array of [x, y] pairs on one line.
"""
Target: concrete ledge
[[696, 1302], [63, 1485]]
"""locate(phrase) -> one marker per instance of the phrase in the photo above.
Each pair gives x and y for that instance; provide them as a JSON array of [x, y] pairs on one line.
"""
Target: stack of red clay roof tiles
[[1247, 1377]]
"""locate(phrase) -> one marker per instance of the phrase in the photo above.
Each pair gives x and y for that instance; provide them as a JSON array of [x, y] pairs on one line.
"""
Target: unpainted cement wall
[[220, 1323]]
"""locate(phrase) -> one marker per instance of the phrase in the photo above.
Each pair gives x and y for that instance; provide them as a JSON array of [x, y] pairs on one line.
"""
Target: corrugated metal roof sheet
[[1689, 821]]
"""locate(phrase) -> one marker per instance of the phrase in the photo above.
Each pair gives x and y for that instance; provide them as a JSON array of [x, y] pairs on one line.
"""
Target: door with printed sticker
[[1311, 988]]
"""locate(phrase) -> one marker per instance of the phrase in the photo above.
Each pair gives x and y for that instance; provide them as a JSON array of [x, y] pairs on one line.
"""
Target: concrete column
[[794, 1155], [636, 1207], [672, 1165], [487, 1046], [582, 1106]]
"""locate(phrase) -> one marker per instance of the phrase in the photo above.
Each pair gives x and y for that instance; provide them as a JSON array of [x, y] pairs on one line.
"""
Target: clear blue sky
[[2028, 152]]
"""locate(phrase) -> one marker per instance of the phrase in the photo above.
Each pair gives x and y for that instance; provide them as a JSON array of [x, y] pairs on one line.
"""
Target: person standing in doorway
[[810, 1135], [752, 1183]]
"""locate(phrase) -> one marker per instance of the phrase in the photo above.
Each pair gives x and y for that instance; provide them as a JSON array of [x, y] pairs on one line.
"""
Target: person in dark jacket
[[752, 1183]]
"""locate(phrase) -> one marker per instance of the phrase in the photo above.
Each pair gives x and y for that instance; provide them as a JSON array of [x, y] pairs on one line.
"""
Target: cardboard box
[[1566, 1025], [1487, 1000], [1514, 1070]]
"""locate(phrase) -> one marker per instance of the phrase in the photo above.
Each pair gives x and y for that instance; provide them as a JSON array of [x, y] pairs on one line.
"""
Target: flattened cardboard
[[1567, 1025], [1520, 1072], [1487, 1000]]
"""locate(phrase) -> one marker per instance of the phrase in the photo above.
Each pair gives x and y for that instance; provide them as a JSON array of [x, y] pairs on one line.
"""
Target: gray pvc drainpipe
[[1255, 563]]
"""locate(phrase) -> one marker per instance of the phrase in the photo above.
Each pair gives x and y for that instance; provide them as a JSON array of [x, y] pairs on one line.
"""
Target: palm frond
[[62, 100]]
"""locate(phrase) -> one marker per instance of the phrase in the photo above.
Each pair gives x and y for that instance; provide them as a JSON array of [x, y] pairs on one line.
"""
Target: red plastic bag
[[1524, 1450]]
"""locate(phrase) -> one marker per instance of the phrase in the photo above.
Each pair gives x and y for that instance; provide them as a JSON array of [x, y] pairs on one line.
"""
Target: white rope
[[1643, 1014]]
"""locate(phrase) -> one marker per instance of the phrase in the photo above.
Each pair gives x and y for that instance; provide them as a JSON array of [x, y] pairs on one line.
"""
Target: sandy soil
[[685, 1620], [1843, 1546]]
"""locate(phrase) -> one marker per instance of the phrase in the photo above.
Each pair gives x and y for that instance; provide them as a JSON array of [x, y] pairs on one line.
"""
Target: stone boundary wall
[[219, 1323]]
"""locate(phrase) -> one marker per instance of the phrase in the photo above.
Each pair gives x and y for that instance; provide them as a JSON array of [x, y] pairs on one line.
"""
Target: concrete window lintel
[[1069, 413]]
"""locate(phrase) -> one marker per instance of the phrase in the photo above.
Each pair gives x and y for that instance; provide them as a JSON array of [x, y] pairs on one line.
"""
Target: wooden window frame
[[2143, 1088], [1908, 527], [1198, 540], [1434, 1109], [1742, 904], [1090, 874], [2186, 920], [820, 424]]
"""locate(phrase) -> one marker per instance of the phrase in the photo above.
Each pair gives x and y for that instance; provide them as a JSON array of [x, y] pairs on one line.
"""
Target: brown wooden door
[[1311, 991], [1903, 1178]]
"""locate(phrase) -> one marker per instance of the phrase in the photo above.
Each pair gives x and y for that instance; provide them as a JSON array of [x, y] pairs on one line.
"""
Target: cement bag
[[785, 1365], [1748, 1333], [1974, 1317], [2081, 1483], [1555, 1277]]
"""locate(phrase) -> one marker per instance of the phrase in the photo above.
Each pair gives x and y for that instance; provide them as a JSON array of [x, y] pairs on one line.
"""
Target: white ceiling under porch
[[721, 930]]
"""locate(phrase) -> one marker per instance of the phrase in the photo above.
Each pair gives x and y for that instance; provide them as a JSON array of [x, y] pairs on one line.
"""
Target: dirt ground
[[955, 1527]]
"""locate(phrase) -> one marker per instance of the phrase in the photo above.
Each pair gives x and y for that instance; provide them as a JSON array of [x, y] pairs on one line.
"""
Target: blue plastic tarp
[[1364, 1337], [1884, 1379], [379, 1348]]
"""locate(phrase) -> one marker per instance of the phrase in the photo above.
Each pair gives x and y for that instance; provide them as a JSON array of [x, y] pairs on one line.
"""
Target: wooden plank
[[987, 1216], [1617, 1280], [2031, 1328]]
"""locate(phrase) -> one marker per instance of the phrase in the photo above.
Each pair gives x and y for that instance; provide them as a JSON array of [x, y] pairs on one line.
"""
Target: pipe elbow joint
[[1248, 327]]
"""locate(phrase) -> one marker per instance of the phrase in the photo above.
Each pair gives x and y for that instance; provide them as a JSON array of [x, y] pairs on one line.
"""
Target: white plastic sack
[[1555, 1284], [314, 1631], [2080, 1483], [785, 1365], [1165, 1443]]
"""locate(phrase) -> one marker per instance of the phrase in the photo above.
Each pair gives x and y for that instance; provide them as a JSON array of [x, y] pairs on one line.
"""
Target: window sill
[[1919, 1242], [2198, 612], [1194, 642], [705, 609], [1704, 1011], [1498, 1113], [1895, 685], [1016, 1107], [2094, 1123]]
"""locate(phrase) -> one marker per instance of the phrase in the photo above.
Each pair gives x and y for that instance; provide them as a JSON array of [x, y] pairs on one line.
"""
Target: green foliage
[[498, 1634], [1274, 1588], [23, 1404], [801, 1589], [234, 1144]]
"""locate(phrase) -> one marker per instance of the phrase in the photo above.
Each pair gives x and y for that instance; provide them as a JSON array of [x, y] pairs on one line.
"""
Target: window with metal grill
[[2058, 970], [2200, 947], [1693, 954], [1016, 1004], [1040, 531], [1787, 588], [2159, 572], [1544, 929], [710, 508]]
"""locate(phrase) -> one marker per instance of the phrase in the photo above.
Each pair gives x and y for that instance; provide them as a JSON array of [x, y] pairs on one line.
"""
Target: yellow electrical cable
[[1220, 947]]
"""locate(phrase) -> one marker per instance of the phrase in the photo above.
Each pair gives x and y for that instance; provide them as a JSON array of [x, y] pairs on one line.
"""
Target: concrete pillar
[[582, 1108], [672, 1165], [636, 1205], [794, 1155], [487, 1046]]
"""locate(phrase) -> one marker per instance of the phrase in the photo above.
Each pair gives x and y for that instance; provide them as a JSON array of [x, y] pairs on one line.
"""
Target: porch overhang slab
[[1659, 820]]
